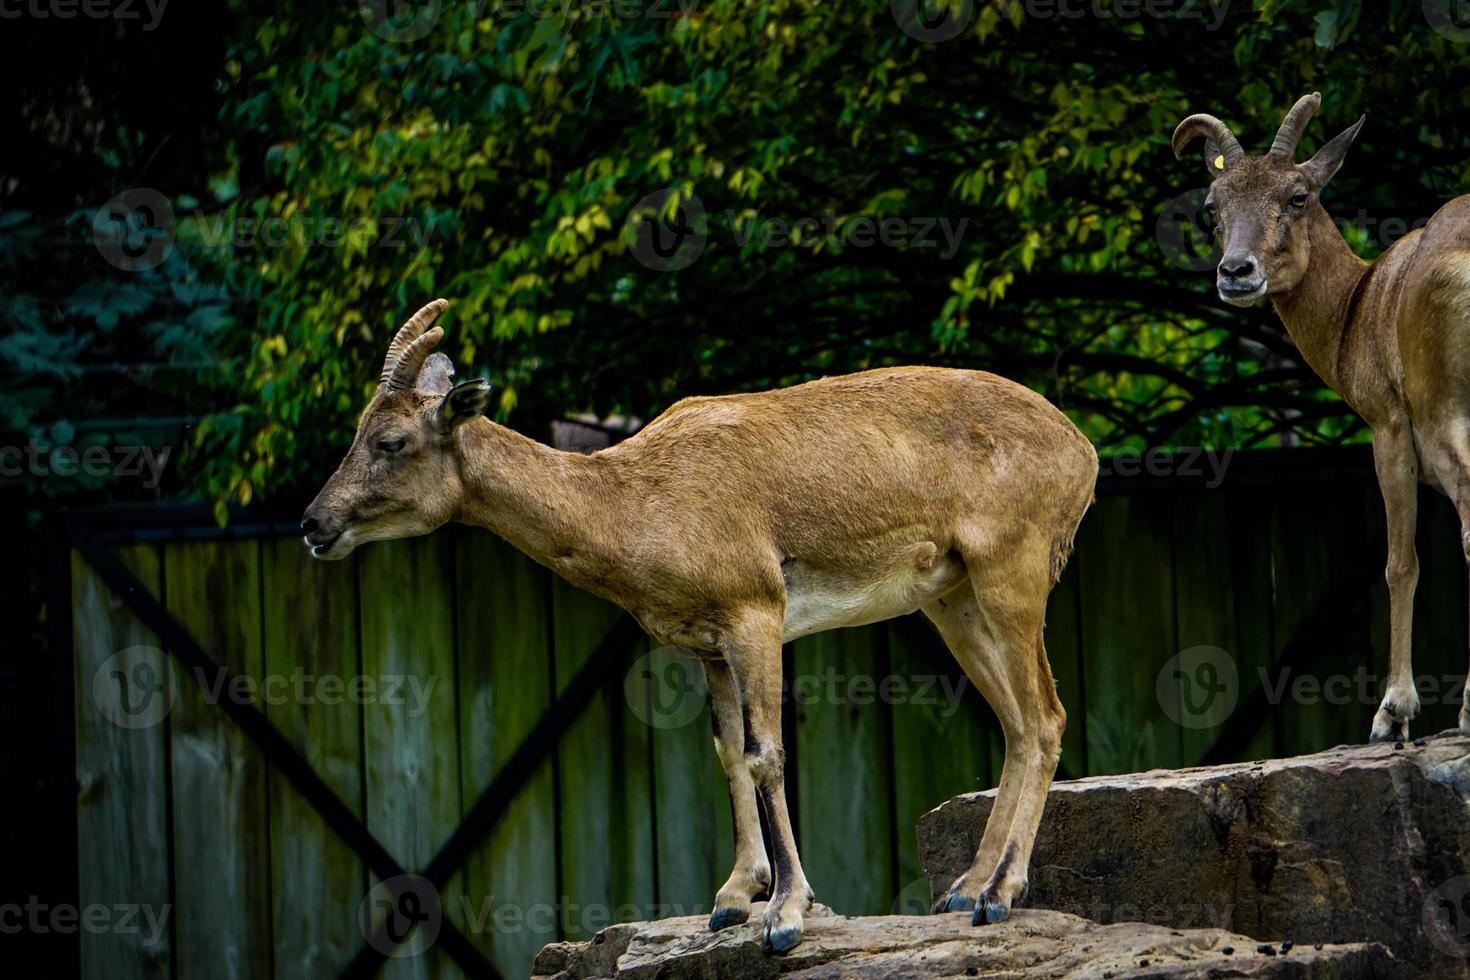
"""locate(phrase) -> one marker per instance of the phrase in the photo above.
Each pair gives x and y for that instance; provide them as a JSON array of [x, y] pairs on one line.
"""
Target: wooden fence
[[409, 675]]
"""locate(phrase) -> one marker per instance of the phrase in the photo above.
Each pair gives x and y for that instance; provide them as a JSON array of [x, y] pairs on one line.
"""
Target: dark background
[[518, 144]]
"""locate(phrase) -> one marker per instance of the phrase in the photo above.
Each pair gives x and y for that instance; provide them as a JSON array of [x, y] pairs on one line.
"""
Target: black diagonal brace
[[277, 749], [516, 772]]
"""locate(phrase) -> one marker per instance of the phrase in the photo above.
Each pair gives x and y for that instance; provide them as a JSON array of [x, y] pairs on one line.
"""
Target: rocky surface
[[1362, 843], [1030, 946]]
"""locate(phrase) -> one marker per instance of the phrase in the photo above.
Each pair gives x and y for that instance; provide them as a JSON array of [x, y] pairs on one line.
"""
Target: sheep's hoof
[[989, 910], [957, 903], [781, 939], [729, 916], [953, 900], [781, 928]]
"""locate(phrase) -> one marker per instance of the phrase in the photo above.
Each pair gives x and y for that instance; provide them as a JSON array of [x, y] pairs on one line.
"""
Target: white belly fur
[[817, 600]]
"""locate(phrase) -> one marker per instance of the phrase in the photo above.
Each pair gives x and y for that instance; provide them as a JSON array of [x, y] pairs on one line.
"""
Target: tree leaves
[[499, 160]]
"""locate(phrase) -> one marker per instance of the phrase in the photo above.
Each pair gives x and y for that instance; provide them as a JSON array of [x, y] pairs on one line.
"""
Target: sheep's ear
[[464, 401], [437, 376], [1324, 163], [1214, 159]]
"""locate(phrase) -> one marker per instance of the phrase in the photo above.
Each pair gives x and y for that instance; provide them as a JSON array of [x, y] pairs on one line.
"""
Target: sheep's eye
[[390, 445], [1299, 200]]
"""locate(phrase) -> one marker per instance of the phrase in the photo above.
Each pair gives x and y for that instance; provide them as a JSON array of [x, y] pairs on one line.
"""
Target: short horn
[[1283, 148], [411, 361], [410, 332], [1206, 125]]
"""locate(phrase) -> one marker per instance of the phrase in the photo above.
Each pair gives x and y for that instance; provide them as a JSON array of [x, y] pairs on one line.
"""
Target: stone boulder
[[1358, 844], [1031, 945]]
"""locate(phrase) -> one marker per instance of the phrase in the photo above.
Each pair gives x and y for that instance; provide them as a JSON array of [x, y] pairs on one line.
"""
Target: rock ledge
[[1361, 843], [1030, 946]]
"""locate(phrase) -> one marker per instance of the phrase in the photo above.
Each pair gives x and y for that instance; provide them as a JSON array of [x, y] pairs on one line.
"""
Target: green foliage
[[497, 160]]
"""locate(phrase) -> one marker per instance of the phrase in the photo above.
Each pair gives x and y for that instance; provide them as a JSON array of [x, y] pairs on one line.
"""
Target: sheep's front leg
[[1396, 462], [754, 655], [751, 876]]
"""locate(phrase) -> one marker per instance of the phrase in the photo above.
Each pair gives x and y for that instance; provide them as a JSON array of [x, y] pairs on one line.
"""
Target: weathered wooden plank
[[124, 690], [314, 698], [941, 748], [1222, 582], [1319, 541], [505, 678], [410, 728], [845, 782], [1440, 619], [1064, 651], [695, 839], [1125, 561], [606, 817], [220, 829]]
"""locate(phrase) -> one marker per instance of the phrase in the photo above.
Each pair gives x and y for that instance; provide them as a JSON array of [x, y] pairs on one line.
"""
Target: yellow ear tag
[[1220, 162]]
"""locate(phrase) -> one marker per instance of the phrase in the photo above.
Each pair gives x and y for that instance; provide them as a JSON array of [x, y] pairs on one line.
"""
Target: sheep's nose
[[1237, 267]]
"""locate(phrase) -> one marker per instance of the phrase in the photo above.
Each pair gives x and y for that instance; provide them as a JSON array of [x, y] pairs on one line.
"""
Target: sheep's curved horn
[[411, 361], [410, 332], [1283, 148], [1212, 129]]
